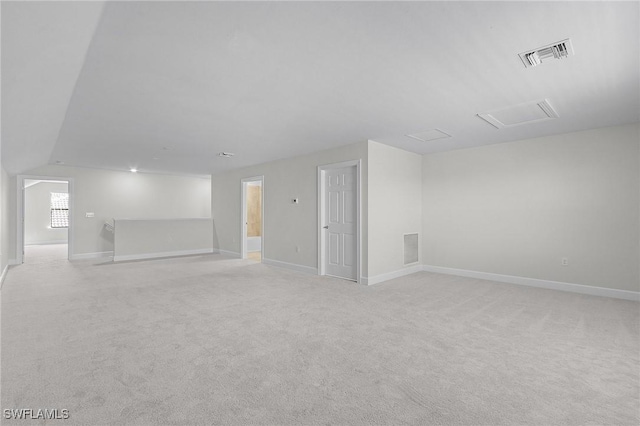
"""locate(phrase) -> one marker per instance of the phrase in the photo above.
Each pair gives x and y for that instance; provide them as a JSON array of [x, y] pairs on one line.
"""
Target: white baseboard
[[391, 275], [143, 256], [292, 266], [229, 253], [44, 243], [96, 255], [534, 282]]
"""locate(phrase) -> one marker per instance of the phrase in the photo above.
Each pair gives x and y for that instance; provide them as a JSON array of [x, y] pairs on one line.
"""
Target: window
[[59, 210]]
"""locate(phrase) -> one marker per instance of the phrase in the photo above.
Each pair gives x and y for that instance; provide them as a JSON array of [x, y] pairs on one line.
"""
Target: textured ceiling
[[165, 86]]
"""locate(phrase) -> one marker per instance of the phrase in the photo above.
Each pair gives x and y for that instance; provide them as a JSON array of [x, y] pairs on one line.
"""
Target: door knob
[[326, 227]]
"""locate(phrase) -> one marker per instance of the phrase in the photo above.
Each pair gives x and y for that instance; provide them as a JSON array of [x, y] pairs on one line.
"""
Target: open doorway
[[44, 213], [252, 240]]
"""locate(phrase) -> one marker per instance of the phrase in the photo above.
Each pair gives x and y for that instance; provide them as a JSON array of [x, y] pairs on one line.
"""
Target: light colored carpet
[[213, 340], [45, 253]]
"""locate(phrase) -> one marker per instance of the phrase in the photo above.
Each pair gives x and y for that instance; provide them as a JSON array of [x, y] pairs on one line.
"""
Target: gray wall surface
[[286, 225], [518, 208], [4, 220], [139, 239], [395, 205]]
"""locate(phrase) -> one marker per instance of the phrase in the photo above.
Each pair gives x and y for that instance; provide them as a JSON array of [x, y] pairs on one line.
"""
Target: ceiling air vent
[[516, 115], [559, 50]]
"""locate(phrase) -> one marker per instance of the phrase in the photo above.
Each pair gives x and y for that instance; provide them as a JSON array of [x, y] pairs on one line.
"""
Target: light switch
[[89, 214]]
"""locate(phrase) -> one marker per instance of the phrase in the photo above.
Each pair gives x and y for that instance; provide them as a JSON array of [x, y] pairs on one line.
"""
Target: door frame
[[243, 212], [20, 211], [321, 215]]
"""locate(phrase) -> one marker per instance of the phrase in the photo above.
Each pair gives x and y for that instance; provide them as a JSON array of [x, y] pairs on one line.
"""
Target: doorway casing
[[243, 226], [321, 215], [20, 212]]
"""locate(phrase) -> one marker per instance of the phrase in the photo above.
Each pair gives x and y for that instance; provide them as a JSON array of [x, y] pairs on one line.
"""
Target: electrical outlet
[[297, 249], [89, 214], [565, 261]]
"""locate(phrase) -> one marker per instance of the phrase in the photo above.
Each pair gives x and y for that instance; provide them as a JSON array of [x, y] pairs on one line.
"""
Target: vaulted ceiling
[[165, 86]]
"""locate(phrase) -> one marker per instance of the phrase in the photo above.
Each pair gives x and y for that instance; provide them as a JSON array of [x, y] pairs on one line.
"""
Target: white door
[[340, 225]]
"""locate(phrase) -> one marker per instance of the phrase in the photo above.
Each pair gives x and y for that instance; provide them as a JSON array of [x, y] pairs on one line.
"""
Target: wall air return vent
[[429, 135], [559, 50], [517, 115], [410, 249]]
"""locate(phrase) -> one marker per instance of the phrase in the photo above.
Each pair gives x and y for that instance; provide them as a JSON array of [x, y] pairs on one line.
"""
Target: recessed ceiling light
[[429, 135], [133, 170], [226, 154], [516, 115]]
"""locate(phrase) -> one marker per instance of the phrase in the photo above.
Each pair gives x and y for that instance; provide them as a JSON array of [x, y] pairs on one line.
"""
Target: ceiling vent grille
[[559, 50]]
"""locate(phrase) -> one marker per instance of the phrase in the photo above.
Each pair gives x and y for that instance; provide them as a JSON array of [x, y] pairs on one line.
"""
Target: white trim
[[4, 275], [243, 211], [391, 275], [44, 243], [299, 268], [534, 282], [96, 255], [20, 212], [321, 237], [144, 256], [229, 253]]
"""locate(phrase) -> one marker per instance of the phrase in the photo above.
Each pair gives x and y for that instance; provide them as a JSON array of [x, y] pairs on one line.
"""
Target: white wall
[[518, 208], [146, 239], [395, 208], [4, 220], [111, 194], [37, 215], [391, 200], [286, 225]]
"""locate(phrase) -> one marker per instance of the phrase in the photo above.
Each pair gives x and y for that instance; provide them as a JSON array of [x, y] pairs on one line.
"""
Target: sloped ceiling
[[43, 49], [165, 86]]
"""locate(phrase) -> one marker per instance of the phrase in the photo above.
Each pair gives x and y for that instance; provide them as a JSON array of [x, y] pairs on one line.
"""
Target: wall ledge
[[534, 282]]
